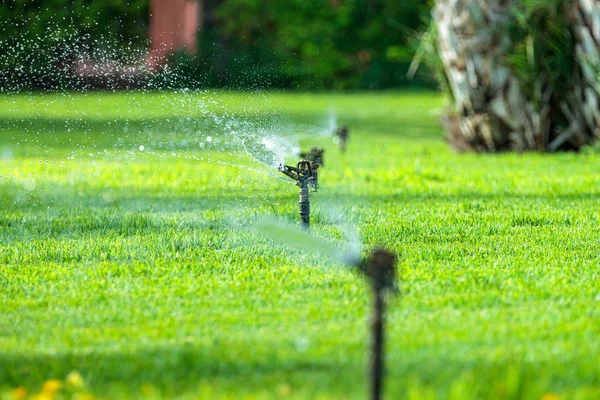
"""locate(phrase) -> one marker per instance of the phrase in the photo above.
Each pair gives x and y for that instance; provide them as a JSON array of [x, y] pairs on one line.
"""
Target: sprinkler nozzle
[[304, 173], [380, 270]]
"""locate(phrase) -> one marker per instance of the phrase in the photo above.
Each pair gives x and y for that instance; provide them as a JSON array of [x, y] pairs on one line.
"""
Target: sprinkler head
[[342, 134], [304, 173], [304, 168], [315, 155], [380, 270]]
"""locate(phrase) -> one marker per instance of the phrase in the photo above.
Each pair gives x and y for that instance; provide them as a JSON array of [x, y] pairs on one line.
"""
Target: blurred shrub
[[315, 44], [245, 43]]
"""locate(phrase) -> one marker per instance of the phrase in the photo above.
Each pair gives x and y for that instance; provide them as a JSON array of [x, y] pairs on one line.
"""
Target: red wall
[[174, 25]]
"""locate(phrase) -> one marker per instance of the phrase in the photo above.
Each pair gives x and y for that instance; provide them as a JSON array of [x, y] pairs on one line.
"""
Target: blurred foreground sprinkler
[[305, 175], [380, 271], [342, 136]]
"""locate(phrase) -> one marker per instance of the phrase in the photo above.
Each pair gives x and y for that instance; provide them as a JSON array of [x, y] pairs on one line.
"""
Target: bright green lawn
[[137, 268]]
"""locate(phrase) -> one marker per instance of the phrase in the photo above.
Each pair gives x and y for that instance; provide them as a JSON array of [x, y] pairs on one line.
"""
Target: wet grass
[[137, 268]]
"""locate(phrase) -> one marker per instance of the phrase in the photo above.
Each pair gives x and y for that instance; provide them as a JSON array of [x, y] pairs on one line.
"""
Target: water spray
[[380, 271], [305, 175], [342, 134]]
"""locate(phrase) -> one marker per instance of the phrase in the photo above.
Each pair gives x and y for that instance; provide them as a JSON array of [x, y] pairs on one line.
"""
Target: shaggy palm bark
[[490, 109], [582, 103]]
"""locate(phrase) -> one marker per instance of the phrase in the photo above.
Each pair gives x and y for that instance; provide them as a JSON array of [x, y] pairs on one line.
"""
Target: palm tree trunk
[[490, 110], [582, 103]]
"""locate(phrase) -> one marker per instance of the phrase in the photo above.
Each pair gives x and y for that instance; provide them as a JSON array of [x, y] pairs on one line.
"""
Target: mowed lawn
[[138, 267]]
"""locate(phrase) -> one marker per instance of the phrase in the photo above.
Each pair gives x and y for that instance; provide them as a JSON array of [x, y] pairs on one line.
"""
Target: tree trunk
[[582, 103], [490, 109]]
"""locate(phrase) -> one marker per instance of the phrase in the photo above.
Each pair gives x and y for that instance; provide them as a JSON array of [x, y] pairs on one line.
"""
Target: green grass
[[138, 268]]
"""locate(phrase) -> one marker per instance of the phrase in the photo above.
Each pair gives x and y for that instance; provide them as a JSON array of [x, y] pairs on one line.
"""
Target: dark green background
[[324, 44]]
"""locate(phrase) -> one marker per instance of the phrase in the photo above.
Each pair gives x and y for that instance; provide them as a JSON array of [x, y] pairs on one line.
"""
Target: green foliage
[[543, 48], [137, 270], [428, 55], [335, 44]]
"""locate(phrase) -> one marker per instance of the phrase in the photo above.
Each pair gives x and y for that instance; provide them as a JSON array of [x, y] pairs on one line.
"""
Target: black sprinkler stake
[[305, 175], [380, 271]]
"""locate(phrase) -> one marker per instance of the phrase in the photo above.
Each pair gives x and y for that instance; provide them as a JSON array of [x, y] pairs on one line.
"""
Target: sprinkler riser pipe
[[377, 343], [304, 204], [380, 270], [305, 175]]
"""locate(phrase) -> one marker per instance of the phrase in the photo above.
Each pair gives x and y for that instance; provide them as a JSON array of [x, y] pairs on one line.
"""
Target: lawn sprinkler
[[315, 155], [380, 271], [342, 137], [305, 175]]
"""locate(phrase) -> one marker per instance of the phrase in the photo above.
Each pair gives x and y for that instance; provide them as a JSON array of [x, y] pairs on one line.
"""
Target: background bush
[[339, 44]]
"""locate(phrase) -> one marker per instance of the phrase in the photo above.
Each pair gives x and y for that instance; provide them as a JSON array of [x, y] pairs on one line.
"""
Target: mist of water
[[348, 252], [188, 124]]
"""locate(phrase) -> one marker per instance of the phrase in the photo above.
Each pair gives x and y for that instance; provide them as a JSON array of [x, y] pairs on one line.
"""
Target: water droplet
[[29, 184], [108, 197], [302, 344], [6, 154]]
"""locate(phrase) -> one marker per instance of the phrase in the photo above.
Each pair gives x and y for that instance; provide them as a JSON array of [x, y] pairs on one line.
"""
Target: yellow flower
[[44, 396], [19, 393], [49, 389], [75, 380]]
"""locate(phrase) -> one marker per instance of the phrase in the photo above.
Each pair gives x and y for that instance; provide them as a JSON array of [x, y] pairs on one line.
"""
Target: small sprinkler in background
[[315, 155], [380, 271], [305, 175], [342, 136]]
